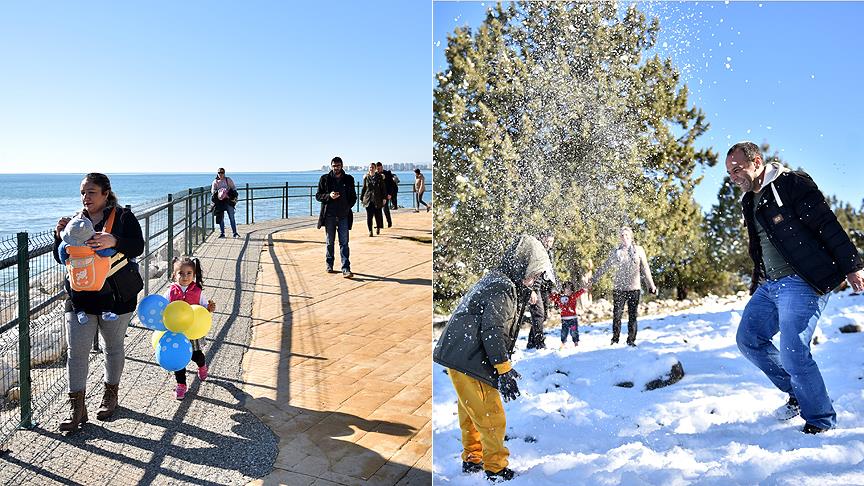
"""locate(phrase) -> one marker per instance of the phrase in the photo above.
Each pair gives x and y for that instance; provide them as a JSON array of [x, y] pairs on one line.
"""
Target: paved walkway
[[340, 370], [209, 438]]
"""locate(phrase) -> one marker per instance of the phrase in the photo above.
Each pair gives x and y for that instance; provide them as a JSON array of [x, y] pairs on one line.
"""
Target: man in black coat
[[388, 191], [800, 253], [337, 195]]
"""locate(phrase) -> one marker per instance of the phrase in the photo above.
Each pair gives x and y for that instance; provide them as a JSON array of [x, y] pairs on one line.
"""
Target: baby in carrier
[[73, 250]]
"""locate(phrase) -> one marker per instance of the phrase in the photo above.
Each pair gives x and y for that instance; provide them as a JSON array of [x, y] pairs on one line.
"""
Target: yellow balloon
[[200, 325], [178, 316], [157, 335]]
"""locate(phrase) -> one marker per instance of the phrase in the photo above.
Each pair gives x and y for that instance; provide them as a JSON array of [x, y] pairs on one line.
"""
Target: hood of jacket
[[526, 256]]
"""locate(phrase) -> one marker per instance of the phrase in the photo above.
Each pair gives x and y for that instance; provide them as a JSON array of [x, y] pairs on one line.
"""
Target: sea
[[34, 202]]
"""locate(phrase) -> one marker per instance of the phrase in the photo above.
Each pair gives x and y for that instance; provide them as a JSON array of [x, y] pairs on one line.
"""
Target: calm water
[[34, 202]]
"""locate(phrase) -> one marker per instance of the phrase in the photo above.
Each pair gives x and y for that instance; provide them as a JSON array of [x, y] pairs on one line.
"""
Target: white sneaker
[[788, 411]]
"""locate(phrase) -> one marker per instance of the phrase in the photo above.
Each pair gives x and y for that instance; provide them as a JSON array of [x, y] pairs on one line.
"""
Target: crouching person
[[476, 345]]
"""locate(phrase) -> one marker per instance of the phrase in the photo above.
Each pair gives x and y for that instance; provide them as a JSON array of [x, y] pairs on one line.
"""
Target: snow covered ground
[[572, 425]]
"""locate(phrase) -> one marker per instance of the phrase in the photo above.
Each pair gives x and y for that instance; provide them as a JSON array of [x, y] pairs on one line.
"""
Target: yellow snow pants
[[481, 417]]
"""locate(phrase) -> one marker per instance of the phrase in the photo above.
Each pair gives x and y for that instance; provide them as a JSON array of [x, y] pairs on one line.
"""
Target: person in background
[[419, 189], [387, 195], [372, 198], [629, 261], [224, 196]]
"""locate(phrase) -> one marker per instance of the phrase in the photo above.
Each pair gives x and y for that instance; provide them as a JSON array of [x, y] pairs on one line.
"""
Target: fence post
[[285, 206], [187, 236], [24, 331], [146, 261], [310, 201], [170, 233], [251, 204], [247, 203]]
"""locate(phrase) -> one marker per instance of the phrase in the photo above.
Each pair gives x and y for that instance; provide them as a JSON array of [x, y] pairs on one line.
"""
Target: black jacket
[[326, 184], [120, 292], [804, 230]]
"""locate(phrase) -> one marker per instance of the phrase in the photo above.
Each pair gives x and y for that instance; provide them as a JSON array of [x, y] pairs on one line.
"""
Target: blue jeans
[[789, 306], [332, 224], [569, 326], [221, 221]]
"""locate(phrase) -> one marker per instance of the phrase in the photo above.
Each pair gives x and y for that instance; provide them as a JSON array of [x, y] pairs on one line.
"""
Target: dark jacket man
[[801, 226], [342, 206]]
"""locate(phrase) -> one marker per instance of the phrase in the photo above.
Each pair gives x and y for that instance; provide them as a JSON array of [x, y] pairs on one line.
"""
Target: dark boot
[[471, 467], [502, 475], [109, 402], [77, 413]]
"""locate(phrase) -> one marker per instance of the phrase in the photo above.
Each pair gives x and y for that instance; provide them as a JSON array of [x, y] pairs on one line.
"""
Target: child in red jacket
[[566, 301]]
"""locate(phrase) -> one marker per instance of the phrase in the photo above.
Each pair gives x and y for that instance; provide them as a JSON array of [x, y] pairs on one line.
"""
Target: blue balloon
[[174, 351], [150, 312]]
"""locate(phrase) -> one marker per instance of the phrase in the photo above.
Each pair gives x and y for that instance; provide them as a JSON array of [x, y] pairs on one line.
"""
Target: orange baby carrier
[[88, 270]]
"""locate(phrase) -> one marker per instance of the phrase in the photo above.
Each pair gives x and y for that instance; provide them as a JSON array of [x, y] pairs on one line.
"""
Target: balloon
[[155, 338], [174, 351], [200, 325], [150, 311], [178, 316]]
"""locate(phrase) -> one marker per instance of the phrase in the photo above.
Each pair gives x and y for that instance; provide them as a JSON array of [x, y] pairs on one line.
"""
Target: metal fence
[[32, 297]]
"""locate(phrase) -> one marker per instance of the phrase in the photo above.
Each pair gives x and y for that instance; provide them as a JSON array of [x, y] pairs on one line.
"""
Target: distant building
[[398, 166]]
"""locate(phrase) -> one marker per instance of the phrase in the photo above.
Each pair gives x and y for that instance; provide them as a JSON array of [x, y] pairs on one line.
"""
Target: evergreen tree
[[549, 115]]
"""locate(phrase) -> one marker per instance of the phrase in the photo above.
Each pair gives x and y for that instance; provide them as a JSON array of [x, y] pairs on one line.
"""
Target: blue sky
[[786, 73], [162, 86]]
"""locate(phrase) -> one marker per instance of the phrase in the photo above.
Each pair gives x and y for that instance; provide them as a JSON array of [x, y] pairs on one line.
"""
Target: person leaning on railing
[[119, 294]]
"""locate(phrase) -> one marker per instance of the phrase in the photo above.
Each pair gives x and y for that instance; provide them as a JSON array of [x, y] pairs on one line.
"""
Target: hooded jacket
[[801, 226], [483, 329]]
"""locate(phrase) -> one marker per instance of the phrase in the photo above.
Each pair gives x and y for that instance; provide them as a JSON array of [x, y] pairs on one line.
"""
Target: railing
[[32, 298]]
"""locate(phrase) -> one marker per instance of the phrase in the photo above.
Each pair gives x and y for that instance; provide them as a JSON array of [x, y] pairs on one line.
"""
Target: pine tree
[[549, 115]]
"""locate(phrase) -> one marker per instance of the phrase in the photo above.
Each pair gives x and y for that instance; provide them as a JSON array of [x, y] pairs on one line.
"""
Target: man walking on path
[[387, 193], [337, 195], [630, 262], [800, 253]]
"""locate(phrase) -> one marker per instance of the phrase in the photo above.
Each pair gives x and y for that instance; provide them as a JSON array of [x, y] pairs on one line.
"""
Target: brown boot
[[77, 413], [109, 402]]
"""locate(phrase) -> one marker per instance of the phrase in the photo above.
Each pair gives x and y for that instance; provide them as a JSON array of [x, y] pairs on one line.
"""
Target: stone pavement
[[340, 369], [210, 437]]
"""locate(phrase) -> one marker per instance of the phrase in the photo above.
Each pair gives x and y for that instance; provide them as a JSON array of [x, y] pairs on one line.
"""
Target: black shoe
[[471, 467], [389, 224], [370, 234], [347, 273], [812, 429], [236, 235], [330, 270], [222, 235], [378, 230], [502, 475], [631, 344], [614, 341]]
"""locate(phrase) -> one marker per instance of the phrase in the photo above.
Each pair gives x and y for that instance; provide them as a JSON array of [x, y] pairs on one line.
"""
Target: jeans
[[332, 224], [619, 298], [789, 306], [386, 209], [80, 339], [221, 220], [569, 326]]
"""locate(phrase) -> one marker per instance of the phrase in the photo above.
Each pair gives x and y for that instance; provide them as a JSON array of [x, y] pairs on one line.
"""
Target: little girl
[[566, 301], [187, 286]]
